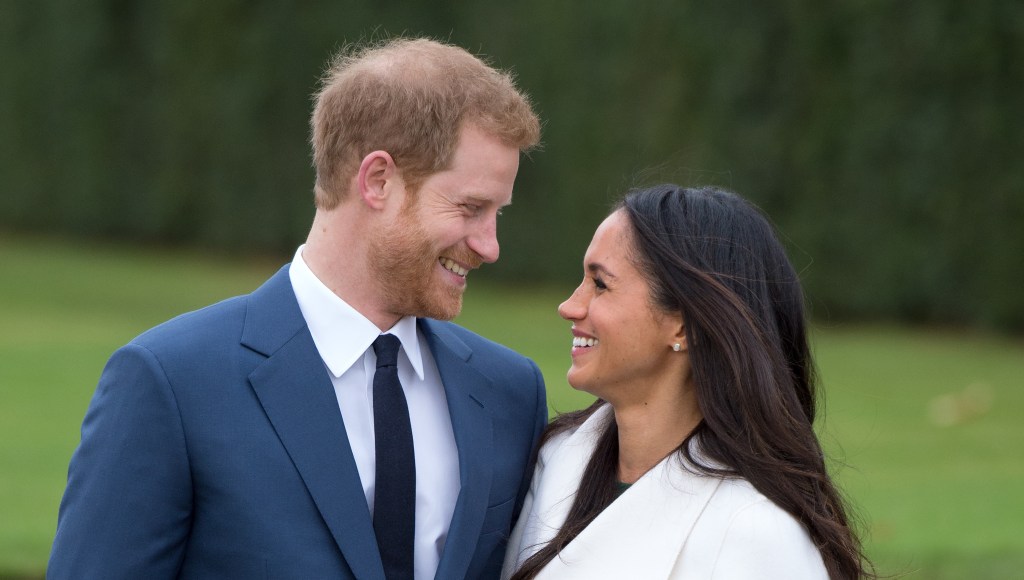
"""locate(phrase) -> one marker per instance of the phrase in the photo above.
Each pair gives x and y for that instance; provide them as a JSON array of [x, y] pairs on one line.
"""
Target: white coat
[[672, 523]]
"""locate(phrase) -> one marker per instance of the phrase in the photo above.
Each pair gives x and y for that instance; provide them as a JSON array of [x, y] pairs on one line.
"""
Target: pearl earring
[[677, 347]]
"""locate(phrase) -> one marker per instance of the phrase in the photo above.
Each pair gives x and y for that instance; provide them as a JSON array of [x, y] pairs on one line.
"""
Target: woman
[[698, 459]]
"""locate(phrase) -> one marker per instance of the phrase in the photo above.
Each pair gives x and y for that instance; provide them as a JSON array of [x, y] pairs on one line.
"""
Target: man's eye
[[600, 284]]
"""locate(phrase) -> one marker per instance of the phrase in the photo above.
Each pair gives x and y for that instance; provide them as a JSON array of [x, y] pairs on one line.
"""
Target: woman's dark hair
[[712, 256]]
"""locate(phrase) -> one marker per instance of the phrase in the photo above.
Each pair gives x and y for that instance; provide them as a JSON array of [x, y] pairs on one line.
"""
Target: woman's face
[[622, 346]]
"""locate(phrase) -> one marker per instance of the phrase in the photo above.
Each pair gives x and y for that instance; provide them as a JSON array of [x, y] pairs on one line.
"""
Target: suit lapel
[[295, 391], [471, 424]]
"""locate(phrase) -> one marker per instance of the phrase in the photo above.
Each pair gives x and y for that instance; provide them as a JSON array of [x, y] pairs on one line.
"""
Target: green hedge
[[884, 138]]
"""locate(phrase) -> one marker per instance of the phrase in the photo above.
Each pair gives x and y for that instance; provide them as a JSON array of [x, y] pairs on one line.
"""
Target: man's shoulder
[[221, 321], [198, 326], [456, 336], [497, 362]]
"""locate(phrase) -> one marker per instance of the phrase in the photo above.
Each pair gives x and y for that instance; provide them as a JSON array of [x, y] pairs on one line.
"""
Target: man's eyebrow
[[478, 200], [598, 268]]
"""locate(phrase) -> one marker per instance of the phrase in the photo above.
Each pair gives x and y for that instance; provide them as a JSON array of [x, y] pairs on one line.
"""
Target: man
[[328, 425]]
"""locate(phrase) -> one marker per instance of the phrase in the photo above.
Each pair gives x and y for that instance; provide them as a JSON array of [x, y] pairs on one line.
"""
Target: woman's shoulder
[[742, 510], [740, 495], [756, 536]]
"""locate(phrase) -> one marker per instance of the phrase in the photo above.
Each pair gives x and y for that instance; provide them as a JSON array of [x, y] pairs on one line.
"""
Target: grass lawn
[[924, 426]]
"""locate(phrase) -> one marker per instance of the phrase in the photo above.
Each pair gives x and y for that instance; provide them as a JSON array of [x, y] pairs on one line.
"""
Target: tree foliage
[[884, 138]]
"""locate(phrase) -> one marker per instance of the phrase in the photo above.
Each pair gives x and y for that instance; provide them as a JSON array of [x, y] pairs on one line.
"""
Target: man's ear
[[375, 172]]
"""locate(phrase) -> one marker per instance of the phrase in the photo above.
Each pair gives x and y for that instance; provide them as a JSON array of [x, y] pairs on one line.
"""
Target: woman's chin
[[572, 377], [579, 382]]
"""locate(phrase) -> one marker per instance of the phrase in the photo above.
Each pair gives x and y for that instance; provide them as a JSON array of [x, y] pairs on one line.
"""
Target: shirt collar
[[341, 334]]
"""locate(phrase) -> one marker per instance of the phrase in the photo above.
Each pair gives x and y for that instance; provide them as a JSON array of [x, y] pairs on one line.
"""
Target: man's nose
[[485, 241]]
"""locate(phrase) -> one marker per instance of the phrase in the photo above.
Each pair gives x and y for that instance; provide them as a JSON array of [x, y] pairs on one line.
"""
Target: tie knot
[[386, 348]]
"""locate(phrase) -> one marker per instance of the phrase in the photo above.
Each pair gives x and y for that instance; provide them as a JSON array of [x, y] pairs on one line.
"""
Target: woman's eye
[[600, 284]]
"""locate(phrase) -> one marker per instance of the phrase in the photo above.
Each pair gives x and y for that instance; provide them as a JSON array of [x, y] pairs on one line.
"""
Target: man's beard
[[404, 263]]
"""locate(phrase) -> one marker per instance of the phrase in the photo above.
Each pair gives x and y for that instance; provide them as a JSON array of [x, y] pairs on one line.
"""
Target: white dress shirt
[[344, 339]]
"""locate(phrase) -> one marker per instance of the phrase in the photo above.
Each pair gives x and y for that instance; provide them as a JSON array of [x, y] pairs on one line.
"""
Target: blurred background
[[154, 158]]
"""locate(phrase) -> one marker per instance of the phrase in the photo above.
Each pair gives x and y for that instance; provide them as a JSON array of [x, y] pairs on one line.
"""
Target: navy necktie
[[394, 503]]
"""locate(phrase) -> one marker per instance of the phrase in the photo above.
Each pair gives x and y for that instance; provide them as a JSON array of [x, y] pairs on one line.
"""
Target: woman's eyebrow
[[598, 268]]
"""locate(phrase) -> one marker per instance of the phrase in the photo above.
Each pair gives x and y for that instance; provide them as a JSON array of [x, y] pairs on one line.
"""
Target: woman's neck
[[651, 430]]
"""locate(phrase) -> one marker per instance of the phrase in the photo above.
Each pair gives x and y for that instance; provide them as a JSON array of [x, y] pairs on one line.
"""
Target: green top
[[621, 488]]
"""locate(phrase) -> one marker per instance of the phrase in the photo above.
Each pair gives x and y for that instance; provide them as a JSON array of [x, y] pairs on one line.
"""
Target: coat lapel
[[471, 423], [295, 391], [640, 535]]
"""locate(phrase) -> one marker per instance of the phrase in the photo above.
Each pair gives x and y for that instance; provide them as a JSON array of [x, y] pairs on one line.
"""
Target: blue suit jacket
[[214, 448]]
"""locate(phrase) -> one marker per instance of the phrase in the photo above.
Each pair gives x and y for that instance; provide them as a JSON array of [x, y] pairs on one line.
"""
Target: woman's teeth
[[578, 341], [453, 267]]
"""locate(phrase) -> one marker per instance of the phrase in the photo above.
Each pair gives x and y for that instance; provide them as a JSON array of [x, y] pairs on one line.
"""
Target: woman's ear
[[375, 171], [678, 343]]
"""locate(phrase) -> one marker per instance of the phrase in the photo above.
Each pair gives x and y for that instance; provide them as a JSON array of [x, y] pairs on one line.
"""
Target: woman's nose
[[573, 308]]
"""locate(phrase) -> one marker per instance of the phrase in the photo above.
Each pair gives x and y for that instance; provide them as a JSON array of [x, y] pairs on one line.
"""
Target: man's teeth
[[453, 267], [578, 341]]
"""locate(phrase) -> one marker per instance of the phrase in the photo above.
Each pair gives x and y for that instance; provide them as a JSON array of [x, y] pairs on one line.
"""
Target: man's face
[[445, 229]]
